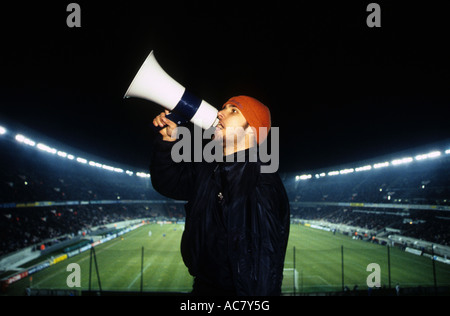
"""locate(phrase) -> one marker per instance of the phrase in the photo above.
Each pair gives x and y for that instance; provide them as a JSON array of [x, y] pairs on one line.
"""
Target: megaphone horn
[[154, 84]]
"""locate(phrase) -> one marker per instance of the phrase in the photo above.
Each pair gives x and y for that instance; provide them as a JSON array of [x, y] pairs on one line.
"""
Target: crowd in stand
[[346, 216], [21, 228], [27, 175], [427, 225], [421, 183]]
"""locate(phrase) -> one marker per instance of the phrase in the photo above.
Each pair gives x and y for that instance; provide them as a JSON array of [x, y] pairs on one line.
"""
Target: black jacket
[[237, 220]]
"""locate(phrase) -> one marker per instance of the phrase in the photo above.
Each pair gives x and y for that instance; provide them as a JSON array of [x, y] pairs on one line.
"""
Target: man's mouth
[[220, 126]]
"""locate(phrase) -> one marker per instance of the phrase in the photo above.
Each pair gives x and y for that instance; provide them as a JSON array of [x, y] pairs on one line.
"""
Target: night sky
[[339, 91]]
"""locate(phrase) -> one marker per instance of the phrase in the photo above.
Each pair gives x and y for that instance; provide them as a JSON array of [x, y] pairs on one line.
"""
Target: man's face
[[231, 120]]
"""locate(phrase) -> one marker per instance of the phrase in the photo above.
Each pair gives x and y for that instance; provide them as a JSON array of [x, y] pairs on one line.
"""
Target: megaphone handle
[[177, 119]]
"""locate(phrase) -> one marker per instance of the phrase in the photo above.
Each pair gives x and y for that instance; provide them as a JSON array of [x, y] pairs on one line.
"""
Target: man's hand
[[168, 127]]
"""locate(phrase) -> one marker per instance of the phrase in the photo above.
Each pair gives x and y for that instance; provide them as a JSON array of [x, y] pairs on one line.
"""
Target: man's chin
[[218, 136]]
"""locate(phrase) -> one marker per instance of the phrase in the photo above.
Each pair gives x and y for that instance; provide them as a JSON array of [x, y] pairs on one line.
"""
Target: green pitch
[[317, 267], [319, 256]]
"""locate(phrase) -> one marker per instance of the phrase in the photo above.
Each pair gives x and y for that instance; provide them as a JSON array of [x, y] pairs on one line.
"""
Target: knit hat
[[256, 113]]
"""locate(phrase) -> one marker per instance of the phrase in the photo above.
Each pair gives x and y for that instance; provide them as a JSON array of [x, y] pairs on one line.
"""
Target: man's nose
[[220, 115]]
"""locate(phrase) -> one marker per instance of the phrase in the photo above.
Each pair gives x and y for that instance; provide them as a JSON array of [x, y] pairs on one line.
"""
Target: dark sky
[[338, 90]]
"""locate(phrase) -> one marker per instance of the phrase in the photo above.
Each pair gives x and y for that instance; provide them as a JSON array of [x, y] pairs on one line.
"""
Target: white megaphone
[[154, 84]]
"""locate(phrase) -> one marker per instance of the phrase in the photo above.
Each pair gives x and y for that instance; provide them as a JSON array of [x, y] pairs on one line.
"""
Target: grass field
[[317, 268]]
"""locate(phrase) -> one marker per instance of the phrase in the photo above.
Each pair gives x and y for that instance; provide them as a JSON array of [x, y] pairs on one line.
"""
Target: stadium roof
[[339, 90]]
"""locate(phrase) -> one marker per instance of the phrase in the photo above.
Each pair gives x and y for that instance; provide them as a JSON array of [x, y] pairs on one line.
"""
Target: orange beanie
[[256, 113]]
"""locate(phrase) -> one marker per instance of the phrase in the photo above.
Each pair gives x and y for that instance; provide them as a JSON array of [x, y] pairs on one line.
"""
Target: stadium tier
[[411, 199], [44, 196], [46, 193]]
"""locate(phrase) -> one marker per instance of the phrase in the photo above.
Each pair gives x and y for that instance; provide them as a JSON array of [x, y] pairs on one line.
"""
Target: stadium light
[[381, 165], [46, 148], [62, 154], [95, 164], [81, 160], [395, 162], [432, 154], [401, 161], [109, 168], [346, 171], [22, 139], [364, 168]]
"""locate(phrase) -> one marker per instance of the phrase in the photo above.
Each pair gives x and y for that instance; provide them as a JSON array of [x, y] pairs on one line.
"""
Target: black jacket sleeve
[[173, 180]]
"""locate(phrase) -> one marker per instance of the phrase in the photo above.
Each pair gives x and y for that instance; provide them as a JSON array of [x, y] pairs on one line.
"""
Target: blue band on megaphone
[[187, 106]]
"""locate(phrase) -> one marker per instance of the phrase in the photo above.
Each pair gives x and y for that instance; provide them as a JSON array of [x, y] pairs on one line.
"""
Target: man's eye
[[233, 111]]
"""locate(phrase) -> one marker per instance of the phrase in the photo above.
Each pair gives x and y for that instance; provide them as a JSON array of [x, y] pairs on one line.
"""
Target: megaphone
[[154, 84]]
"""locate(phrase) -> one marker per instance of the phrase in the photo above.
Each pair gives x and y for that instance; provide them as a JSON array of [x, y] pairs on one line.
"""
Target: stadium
[[358, 93], [61, 207]]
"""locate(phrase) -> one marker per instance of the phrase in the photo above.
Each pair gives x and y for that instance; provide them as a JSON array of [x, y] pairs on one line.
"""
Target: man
[[237, 218]]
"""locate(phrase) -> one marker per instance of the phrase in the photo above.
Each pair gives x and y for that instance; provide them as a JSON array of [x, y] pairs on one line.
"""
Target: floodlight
[[2, 130], [109, 168], [95, 164], [62, 154], [46, 148], [22, 139], [364, 168], [81, 160], [345, 171], [401, 161], [333, 173], [432, 154], [381, 165]]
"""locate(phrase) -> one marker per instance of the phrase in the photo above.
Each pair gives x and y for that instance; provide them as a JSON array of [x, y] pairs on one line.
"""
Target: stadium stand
[[43, 197], [410, 199]]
